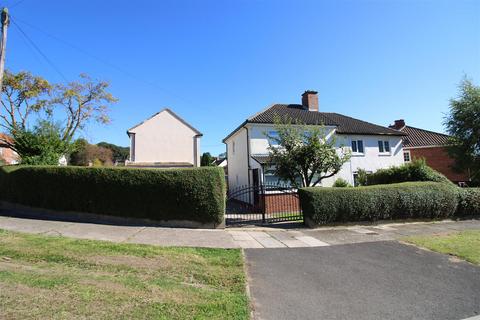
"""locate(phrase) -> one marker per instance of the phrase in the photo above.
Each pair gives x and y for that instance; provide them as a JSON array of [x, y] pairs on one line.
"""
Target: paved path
[[233, 238], [370, 280]]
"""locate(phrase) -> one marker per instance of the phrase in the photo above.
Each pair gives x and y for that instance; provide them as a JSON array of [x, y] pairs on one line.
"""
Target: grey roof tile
[[344, 124], [423, 138]]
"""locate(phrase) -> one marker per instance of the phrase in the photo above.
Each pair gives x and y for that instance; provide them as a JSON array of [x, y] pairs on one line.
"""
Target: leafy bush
[[395, 201], [341, 183], [196, 194], [362, 177], [41, 146], [416, 170], [469, 202]]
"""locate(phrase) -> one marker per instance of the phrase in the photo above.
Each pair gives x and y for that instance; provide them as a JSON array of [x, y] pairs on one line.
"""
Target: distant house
[[420, 143], [164, 140], [220, 162], [373, 147], [7, 155]]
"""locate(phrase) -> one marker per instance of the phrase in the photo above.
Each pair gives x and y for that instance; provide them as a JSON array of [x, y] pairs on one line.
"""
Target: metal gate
[[260, 204]]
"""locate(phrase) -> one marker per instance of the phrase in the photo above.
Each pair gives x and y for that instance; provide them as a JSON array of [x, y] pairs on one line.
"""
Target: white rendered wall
[[370, 160], [164, 138], [237, 160]]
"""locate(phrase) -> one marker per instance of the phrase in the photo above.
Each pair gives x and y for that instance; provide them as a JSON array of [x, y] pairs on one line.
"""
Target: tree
[[86, 154], [206, 160], [463, 124], [76, 104], [304, 155], [82, 102], [41, 146], [23, 94], [119, 153]]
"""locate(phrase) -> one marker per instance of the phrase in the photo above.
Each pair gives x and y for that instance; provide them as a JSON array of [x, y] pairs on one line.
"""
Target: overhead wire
[[101, 60], [37, 48]]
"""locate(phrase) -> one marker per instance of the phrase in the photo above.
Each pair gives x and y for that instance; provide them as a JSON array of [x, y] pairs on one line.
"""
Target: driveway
[[374, 280]]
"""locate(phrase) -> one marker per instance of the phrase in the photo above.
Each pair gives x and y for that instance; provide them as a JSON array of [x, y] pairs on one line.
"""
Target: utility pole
[[5, 22]]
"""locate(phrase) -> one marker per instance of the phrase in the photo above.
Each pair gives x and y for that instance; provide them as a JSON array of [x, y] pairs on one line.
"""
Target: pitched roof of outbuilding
[[417, 137], [297, 112]]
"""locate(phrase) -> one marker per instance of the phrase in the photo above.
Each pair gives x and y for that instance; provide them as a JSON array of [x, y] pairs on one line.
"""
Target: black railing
[[265, 203]]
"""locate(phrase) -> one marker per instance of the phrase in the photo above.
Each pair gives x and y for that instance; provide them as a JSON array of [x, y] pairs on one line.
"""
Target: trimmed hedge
[[196, 194], [416, 170], [394, 201], [469, 202]]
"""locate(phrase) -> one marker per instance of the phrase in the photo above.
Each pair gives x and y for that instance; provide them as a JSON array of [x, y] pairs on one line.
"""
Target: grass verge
[[465, 244], [61, 278]]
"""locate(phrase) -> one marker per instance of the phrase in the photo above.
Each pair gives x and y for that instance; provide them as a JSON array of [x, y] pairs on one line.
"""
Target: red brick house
[[420, 143], [6, 154]]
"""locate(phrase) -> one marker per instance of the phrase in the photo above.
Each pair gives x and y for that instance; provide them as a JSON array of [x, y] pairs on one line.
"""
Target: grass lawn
[[465, 245], [45, 277]]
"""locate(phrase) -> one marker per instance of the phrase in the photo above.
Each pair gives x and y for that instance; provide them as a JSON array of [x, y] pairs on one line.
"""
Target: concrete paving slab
[[99, 231], [295, 243], [30, 225], [312, 242], [241, 237], [232, 238], [270, 243], [362, 230], [184, 237], [250, 244], [258, 234]]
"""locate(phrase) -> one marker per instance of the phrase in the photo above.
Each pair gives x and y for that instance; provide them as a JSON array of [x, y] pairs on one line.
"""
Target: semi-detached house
[[372, 146]]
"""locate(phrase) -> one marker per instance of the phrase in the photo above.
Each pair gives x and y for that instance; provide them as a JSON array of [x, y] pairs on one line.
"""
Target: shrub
[[196, 194], [416, 170], [341, 183], [469, 202], [362, 177], [395, 201]]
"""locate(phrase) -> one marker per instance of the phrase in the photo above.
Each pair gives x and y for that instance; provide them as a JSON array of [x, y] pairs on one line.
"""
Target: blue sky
[[217, 62]]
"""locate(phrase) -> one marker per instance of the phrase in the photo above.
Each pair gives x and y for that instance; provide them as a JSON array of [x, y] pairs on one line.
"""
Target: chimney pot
[[399, 124], [310, 100]]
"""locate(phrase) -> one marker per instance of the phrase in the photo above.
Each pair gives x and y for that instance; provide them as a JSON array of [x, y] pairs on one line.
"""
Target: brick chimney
[[310, 100], [398, 124]]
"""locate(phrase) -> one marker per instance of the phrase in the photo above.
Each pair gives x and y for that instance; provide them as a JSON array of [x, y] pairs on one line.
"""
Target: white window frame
[[357, 153], [384, 143], [409, 156]]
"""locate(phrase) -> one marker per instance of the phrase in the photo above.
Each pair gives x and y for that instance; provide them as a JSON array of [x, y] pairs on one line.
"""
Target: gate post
[[264, 200]]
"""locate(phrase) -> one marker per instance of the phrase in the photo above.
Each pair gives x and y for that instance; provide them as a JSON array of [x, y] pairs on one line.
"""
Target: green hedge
[[394, 201], [196, 194], [469, 202], [416, 170]]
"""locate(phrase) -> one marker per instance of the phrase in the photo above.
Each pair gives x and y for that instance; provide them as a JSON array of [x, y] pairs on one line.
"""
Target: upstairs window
[[383, 147], [357, 146], [273, 138], [233, 147]]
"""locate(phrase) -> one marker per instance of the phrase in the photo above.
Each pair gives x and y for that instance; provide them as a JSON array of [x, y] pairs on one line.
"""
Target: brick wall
[[276, 203], [7, 154], [438, 159]]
